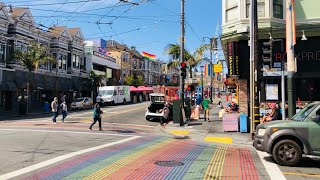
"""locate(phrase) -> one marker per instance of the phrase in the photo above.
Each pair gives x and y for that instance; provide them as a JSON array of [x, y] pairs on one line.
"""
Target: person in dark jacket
[[96, 116]]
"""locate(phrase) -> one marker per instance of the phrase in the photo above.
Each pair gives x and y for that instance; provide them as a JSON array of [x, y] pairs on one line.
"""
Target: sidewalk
[[14, 115], [203, 131]]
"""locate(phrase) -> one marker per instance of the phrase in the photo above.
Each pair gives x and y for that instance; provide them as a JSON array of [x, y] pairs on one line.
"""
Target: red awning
[[144, 88], [133, 89]]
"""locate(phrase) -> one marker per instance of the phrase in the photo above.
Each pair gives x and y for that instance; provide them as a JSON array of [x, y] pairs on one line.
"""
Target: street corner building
[[271, 47]]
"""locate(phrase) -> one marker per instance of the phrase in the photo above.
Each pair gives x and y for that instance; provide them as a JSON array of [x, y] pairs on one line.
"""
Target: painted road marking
[[63, 157], [300, 174], [272, 169], [225, 140], [114, 113], [179, 132]]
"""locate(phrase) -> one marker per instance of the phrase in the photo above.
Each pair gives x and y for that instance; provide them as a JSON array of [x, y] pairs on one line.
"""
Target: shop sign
[[217, 68], [233, 58]]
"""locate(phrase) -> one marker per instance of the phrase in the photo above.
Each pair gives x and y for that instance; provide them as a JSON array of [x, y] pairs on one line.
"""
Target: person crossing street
[[96, 116], [205, 106], [54, 109]]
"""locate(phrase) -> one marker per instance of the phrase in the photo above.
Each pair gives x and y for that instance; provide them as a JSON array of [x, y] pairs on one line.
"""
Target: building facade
[[272, 25], [101, 63], [66, 76]]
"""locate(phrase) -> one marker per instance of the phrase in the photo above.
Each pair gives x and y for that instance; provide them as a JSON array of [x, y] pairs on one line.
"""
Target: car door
[[314, 129]]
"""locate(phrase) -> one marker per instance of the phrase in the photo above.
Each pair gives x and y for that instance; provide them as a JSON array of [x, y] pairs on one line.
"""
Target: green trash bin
[[176, 111]]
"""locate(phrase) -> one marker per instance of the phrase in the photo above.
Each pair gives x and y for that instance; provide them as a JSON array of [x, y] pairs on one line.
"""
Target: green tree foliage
[[34, 55], [192, 59], [128, 80], [95, 82]]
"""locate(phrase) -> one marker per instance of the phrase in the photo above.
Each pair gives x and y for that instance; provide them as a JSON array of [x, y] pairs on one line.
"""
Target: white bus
[[113, 95]]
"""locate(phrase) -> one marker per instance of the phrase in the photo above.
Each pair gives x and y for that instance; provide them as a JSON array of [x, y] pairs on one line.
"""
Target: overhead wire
[[57, 3]]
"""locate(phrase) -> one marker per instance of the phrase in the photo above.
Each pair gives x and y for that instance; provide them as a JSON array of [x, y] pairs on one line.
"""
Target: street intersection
[[129, 148]]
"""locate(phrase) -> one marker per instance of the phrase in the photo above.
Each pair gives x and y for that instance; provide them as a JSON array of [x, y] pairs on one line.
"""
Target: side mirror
[[315, 118]]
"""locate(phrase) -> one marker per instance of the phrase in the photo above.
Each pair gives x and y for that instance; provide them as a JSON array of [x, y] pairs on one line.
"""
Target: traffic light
[[183, 69], [267, 54], [190, 88]]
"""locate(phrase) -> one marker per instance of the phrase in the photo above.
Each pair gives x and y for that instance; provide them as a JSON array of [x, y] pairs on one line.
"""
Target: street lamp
[[201, 69]]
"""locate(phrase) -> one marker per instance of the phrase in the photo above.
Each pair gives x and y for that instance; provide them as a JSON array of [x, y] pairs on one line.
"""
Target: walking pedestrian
[[64, 110], [54, 109], [205, 105], [96, 116]]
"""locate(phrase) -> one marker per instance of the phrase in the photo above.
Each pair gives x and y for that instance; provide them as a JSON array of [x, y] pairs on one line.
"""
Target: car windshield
[[105, 92], [157, 98], [79, 100], [304, 112]]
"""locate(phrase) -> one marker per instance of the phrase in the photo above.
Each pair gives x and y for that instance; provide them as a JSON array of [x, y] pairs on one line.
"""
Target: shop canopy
[[140, 89], [144, 88]]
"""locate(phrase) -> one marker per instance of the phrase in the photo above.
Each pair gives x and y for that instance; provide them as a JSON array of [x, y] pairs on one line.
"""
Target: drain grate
[[169, 163]]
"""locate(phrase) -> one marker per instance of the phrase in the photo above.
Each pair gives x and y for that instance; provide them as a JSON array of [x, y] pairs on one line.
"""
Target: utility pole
[[211, 71], [290, 37], [254, 101], [182, 59]]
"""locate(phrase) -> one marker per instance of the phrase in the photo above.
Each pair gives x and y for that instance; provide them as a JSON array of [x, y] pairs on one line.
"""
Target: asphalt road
[[122, 114], [34, 143]]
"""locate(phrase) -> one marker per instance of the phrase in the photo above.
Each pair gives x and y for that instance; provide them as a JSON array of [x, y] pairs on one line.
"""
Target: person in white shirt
[[54, 109], [64, 110]]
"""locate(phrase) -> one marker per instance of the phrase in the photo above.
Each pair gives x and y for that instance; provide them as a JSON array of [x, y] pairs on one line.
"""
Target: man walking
[[64, 110], [54, 109], [205, 106]]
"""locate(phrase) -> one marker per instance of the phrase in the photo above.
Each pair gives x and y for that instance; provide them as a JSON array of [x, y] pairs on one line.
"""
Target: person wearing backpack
[[96, 116], [64, 110]]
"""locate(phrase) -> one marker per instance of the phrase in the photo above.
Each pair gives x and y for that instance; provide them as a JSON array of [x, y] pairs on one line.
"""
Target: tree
[[35, 55], [140, 80], [192, 59], [95, 82], [128, 80]]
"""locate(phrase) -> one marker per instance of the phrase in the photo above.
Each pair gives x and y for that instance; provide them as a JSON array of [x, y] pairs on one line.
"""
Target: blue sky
[[149, 26]]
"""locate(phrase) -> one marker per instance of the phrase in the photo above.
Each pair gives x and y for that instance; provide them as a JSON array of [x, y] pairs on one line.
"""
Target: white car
[[157, 108], [82, 103]]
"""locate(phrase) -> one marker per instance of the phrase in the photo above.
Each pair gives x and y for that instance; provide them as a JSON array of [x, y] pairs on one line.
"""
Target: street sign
[[217, 68]]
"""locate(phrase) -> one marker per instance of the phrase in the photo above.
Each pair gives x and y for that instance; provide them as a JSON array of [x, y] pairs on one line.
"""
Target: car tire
[[287, 153], [112, 103], [147, 118], [124, 101]]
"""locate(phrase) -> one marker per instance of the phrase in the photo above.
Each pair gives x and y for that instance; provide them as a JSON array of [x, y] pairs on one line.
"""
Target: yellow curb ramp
[[179, 132], [224, 140]]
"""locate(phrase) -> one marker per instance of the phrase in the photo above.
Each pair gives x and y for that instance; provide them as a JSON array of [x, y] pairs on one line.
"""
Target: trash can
[[243, 123], [46, 107], [176, 111]]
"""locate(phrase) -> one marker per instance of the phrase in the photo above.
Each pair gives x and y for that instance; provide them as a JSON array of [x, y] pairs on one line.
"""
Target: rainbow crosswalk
[[137, 159]]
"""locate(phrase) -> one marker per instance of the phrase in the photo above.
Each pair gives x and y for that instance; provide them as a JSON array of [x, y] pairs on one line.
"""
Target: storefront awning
[[144, 88]]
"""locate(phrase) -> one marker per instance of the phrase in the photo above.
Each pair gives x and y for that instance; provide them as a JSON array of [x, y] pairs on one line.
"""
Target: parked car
[[82, 103], [287, 140], [157, 108]]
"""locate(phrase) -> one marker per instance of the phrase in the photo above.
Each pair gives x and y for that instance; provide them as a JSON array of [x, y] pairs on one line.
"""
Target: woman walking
[[96, 116]]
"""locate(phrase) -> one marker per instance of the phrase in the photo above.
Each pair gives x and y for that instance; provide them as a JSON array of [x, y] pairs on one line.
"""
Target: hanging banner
[[233, 58], [217, 68]]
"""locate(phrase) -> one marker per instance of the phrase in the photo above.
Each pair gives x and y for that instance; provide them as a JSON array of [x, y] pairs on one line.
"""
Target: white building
[[101, 64]]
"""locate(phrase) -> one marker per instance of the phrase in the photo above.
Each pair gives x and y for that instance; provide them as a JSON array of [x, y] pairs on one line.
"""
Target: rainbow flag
[[149, 56], [293, 20], [207, 70]]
